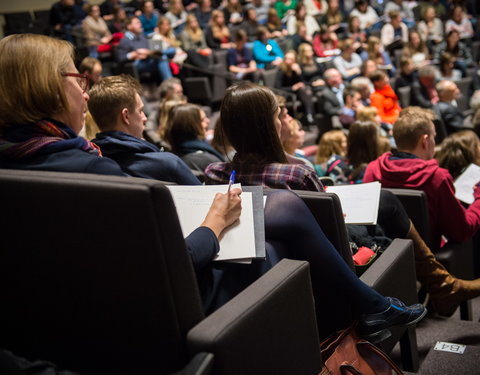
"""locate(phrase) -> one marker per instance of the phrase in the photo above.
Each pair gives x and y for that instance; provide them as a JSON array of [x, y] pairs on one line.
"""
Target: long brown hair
[[184, 124], [247, 120], [363, 144]]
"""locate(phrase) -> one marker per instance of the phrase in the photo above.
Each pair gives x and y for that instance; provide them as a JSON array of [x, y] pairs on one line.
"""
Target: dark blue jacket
[[130, 42], [72, 160], [140, 158]]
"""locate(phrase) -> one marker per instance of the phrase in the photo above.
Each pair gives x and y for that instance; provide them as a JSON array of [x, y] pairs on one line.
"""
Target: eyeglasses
[[83, 80]]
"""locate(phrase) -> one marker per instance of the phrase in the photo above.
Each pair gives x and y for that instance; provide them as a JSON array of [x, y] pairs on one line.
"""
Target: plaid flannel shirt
[[275, 176]]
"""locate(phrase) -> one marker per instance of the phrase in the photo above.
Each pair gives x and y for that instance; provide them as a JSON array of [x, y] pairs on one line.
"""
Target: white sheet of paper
[[466, 182], [359, 202], [193, 202]]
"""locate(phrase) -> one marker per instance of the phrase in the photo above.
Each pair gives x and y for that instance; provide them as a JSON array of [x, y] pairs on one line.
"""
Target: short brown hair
[[393, 14], [109, 96], [377, 75], [412, 123], [31, 82]]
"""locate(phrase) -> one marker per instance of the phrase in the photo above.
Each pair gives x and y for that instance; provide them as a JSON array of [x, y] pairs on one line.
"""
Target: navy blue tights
[[289, 221]]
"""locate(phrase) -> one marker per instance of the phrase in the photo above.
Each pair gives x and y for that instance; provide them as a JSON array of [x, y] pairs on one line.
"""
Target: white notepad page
[[359, 202], [193, 202], [466, 182]]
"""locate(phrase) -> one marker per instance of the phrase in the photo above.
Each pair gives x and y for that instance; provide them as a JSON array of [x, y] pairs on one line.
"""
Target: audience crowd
[[383, 85]]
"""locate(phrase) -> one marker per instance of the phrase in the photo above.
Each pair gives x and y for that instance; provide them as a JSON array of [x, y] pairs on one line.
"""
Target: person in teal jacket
[[266, 51]]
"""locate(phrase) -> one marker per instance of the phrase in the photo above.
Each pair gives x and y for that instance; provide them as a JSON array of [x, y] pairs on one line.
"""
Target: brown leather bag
[[345, 353]]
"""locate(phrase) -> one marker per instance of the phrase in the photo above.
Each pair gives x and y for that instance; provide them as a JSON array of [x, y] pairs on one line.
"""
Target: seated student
[[95, 30], [266, 52], [352, 103], [364, 144], [217, 33], [194, 43], [325, 43], [364, 87], [186, 130], [312, 71], [332, 96], [446, 68], [423, 92], [376, 53], [134, 47], [458, 151], [296, 138], [446, 107], [458, 49], [408, 74], [250, 24], [289, 78], [260, 160], [148, 18], [395, 33], [117, 108], [330, 157], [384, 98], [240, 61], [413, 167], [348, 62]]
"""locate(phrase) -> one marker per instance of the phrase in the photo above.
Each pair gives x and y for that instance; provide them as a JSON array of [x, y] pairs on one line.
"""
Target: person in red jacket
[[413, 167], [384, 98]]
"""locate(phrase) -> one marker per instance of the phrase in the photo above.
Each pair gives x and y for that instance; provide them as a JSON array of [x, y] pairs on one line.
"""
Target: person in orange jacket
[[384, 98]]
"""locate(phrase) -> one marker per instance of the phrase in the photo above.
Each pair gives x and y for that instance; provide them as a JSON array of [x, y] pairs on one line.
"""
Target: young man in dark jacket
[[117, 108]]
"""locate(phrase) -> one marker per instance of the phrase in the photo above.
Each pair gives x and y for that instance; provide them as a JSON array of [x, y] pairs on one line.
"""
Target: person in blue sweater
[[266, 52], [117, 108]]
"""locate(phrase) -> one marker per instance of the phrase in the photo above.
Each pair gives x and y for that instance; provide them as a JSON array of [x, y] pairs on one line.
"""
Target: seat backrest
[[94, 273], [415, 203], [327, 210], [404, 96]]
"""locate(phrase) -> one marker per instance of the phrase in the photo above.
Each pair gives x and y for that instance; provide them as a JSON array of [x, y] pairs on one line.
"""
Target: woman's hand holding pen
[[225, 211]]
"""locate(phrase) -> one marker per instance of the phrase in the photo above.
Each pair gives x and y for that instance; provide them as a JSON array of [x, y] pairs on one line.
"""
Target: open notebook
[[466, 182], [244, 240], [359, 202]]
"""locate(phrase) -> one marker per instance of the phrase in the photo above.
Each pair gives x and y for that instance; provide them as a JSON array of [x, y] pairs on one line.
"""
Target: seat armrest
[[201, 364], [269, 328], [393, 274]]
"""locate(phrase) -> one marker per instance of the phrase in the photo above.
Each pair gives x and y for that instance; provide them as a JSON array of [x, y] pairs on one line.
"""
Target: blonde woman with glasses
[[43, 107]]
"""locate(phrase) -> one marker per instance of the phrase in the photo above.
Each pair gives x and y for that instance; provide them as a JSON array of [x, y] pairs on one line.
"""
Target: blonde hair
[[412, 123], [195, 35], [31, 82], [330, 144], [109, 96], [169, 36], [302, 59], [288, 144], [218, 31], [367, 114]]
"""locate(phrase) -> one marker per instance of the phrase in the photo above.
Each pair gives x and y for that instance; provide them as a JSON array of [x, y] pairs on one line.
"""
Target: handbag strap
[[368, 346]]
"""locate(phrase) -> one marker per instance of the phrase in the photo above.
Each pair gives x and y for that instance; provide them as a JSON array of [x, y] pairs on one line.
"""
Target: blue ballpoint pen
[[231, 180]]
